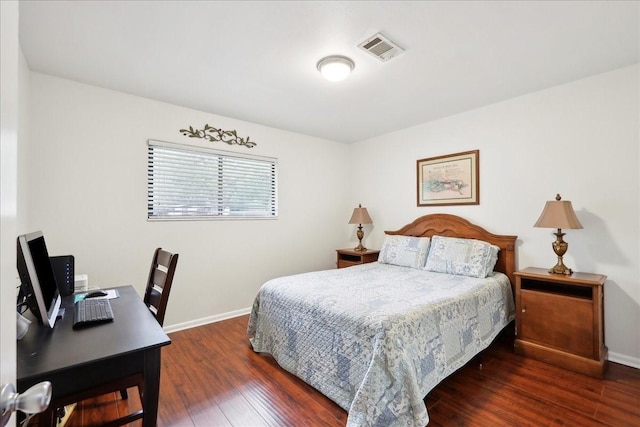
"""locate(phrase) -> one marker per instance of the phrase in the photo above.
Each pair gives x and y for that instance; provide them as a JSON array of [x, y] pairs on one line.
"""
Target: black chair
[[156, 296], [161, 274]]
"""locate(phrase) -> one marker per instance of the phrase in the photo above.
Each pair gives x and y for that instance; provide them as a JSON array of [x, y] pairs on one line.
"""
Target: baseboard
[[613, 357], [206, 320], [68, 411], [623, 359]]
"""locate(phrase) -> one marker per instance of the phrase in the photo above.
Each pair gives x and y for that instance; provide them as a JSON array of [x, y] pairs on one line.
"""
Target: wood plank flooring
[[211, 377]]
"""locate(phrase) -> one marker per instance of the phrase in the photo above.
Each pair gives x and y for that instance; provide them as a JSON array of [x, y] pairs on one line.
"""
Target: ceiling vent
[[381, 47]]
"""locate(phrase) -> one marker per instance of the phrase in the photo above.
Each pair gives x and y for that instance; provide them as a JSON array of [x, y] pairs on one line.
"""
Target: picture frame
[[452, 179]]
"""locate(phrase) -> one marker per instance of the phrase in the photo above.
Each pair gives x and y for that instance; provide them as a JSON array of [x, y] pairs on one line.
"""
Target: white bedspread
[[376, 338]]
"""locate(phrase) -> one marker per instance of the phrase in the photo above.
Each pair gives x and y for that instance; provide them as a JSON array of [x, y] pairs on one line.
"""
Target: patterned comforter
[[376, 338]]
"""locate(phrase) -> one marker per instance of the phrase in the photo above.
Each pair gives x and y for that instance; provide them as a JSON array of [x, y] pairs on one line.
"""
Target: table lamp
[[559, 214], [360, 216]]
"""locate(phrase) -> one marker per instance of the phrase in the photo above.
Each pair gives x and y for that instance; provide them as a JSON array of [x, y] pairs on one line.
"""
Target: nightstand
[[349, 257], [560, 319]]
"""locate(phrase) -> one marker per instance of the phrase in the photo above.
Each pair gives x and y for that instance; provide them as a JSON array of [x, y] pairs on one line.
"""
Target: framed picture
[[449, 180]]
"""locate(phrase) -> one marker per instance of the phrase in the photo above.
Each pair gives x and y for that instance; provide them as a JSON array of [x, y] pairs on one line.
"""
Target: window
[[186, 182]]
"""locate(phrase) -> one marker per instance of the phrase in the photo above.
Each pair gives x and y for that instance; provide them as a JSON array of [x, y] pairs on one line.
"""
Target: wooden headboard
[[454, 226]]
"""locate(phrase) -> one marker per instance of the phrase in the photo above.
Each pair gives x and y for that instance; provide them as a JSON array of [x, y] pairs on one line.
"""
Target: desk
[[76, 360]]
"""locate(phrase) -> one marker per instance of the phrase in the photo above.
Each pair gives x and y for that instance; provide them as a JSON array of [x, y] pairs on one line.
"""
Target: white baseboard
[[68, 411], [623, 359], [206, 320], [613, 357]]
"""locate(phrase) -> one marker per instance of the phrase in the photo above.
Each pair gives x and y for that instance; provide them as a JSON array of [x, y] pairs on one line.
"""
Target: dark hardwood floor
[[211, 377]]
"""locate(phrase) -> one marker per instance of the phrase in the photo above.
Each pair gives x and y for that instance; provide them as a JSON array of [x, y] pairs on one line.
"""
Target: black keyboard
[[88, 312]]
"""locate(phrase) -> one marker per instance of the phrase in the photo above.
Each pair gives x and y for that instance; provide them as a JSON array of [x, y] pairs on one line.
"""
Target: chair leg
[[124, 394]]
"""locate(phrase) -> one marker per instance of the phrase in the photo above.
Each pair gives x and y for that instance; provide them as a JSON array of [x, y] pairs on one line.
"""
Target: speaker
[[63, 270]]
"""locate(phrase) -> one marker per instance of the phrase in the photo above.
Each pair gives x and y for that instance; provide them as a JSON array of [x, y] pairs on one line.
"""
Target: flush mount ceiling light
[[335, 68]]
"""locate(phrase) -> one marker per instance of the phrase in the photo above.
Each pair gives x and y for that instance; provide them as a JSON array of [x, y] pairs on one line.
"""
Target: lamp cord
[[21, 303]]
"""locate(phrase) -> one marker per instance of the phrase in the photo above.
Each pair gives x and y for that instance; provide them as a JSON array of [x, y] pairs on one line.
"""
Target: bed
[[376, 338]]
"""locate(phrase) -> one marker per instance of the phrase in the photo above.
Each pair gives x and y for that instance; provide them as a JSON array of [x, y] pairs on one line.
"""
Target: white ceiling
[[256, 60]]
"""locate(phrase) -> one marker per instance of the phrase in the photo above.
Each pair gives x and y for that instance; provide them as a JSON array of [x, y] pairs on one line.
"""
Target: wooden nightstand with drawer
[[560, 319], [349, 257]]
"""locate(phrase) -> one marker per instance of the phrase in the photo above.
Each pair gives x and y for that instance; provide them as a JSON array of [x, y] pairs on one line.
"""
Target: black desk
[[76, 360]]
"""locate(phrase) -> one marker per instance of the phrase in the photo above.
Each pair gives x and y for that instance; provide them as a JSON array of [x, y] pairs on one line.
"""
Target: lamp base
[[360, 235], [560, 248], [560, 268]]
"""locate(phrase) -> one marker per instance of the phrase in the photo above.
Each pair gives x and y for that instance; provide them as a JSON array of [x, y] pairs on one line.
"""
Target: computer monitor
[[38, 283]]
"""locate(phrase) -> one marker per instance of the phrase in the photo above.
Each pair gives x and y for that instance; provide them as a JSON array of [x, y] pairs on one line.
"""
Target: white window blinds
[[186, 182]]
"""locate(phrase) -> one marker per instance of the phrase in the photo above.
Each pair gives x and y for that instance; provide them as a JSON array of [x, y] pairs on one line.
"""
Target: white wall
[[9, 113], [24, 145], [88, 195], [580, 140]]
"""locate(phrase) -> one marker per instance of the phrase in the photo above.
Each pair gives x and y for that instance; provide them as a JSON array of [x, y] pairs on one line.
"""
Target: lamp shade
[[558, 214], [360, 216]]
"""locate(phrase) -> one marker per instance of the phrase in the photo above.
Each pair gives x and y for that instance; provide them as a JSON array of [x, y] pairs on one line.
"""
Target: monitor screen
[[38, 282]]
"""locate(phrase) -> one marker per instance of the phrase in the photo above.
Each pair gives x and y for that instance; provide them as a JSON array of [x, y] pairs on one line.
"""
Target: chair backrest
[[161, 274]]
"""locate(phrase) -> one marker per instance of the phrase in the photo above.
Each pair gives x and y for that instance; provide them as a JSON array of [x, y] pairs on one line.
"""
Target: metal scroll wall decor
[[214, 135]]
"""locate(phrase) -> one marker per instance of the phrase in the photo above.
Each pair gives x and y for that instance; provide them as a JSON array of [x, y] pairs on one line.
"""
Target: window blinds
[[192, 182]]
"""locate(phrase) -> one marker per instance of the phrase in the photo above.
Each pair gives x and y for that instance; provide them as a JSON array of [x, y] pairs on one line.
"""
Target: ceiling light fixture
[[335, 68]]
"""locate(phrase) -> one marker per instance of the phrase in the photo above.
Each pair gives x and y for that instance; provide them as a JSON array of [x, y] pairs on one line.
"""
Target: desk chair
[[156, 297]]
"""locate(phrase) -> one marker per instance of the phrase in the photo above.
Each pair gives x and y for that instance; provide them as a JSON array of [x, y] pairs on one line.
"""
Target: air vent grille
[[380, 47]]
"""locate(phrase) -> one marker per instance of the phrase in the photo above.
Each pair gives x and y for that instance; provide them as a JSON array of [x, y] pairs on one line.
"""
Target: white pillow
[[464, 257], [405, 251]]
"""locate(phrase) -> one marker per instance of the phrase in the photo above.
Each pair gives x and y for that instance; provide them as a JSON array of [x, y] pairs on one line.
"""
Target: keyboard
[[91, 311]]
